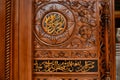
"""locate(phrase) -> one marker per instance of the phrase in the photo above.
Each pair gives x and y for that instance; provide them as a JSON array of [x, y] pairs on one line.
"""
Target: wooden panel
[[25, 37], [85, 38], [66, 38]]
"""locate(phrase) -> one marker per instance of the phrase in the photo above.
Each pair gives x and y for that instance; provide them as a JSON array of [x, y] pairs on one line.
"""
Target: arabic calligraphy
[[54, 23], [64, 66]]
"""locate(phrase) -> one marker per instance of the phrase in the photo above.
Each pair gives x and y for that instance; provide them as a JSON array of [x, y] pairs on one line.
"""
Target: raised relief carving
[[54, 24], [65, 29], [65, 54], [78, 17], [106, 40]]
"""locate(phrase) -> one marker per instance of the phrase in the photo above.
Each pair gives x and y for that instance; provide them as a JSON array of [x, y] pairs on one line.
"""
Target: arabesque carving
[[65, 54], [80, 19]]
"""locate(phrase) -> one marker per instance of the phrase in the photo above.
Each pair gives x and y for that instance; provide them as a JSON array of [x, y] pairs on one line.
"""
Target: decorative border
[[65, 66], [107, 44], [9, 38]]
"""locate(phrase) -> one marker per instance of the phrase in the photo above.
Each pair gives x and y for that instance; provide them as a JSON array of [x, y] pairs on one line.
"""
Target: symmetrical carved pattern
[[64, 54], [65, 66], [53, 25]]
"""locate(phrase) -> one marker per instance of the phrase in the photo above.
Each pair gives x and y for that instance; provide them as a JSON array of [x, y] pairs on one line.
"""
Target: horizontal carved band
[[65, 54], [65, 78], [65, 66]]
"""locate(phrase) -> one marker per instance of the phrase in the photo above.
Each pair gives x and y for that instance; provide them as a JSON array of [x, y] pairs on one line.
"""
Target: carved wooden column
[[108, 47]]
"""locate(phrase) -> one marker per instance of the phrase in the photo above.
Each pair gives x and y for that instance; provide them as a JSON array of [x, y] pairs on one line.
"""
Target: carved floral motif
[[79, 32], [80, 18], [65, 54]]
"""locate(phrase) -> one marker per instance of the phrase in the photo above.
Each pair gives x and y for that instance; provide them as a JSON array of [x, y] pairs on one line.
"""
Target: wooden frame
[[17, 56]]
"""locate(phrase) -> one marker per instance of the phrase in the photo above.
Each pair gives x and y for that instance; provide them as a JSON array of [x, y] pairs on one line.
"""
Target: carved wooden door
[[60, 40], [67, 39]]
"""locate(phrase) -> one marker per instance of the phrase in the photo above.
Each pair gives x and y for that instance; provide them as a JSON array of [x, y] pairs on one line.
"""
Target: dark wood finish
[[117, 14], [90, 37]]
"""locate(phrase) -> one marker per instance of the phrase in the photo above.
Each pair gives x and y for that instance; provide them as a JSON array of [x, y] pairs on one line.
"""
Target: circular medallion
[[54, 23]]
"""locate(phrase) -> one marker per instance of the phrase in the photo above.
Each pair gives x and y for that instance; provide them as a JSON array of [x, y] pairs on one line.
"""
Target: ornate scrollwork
[[80, 32], [105, 39], [65, 66], [65, 54], [85, 32], [77, 14]]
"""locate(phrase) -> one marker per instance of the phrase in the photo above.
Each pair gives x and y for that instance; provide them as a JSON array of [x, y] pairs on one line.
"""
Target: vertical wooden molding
[[25, 40], [8, 40], [108, 40], [112, 42], [15, 39], [107, 29]]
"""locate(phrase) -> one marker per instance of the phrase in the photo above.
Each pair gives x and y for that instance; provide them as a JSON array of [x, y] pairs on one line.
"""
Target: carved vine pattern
[[64, 54]]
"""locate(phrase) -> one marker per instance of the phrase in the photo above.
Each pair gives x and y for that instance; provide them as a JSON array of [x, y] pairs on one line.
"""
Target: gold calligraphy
[[54, 23], [64, 66]]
